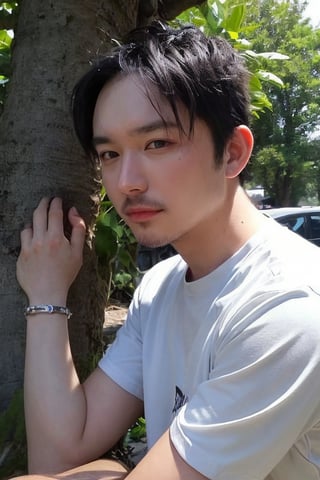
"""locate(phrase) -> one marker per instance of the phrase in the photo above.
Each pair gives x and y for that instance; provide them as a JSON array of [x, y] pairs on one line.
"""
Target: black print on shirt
[[179, 401]]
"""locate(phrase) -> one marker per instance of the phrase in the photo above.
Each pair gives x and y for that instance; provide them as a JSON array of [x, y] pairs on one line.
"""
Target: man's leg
[[98, 470]]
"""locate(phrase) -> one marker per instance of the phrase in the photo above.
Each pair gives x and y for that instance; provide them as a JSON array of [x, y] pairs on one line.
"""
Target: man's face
[[162, 183]]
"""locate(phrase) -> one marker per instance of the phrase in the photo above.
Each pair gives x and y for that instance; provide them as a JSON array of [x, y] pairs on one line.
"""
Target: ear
[[238, 151]]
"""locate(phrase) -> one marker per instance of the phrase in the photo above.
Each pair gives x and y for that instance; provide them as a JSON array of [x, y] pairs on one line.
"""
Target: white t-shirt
[[231, 362]]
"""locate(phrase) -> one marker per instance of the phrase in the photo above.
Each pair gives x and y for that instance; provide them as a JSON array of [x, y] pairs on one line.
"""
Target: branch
[[163, 9], [169, 9]]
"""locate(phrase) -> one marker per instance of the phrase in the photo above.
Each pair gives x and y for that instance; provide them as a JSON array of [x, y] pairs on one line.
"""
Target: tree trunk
[[54, 42], [40, 156]]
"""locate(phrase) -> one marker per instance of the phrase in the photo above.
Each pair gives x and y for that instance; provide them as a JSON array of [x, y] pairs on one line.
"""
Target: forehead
[[128, 101]]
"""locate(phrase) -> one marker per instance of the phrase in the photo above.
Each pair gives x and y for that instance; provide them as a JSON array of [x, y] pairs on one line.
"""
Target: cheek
[[189, 172]]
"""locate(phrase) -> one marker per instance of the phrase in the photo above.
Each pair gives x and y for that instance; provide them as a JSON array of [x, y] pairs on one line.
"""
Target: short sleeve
[[262, 395]]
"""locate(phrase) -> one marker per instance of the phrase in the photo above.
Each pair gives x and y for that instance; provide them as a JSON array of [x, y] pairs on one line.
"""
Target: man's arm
[[75, 424], [161, 463], [67, 424], [102, 469], [164, 462]]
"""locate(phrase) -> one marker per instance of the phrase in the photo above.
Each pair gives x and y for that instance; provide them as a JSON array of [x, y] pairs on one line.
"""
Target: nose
[[132, 179]]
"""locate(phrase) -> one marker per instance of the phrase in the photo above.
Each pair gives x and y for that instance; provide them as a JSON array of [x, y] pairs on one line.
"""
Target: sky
[[313, 12]]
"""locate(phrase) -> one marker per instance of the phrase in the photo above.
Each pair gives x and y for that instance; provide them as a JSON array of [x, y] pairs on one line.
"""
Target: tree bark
[[40, 156]]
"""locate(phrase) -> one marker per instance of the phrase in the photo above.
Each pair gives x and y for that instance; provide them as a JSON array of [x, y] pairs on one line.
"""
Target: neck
[[217, 238]]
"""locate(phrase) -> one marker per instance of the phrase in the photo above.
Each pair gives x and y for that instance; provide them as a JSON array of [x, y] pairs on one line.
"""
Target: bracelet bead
[[34, 309]]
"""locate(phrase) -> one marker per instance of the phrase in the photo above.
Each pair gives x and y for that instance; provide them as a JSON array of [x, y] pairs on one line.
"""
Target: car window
[[315, 225], [296, 223]]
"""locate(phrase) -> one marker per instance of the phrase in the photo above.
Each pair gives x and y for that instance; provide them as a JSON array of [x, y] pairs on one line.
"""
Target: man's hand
[[49, 262]]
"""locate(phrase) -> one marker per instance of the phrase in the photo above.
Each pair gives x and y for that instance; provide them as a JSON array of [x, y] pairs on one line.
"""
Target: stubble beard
[[152, 241]]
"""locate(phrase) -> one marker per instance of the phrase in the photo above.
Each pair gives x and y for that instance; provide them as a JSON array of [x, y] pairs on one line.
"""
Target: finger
[[26, 235], [40, 218], [78, 229], [55, 217]]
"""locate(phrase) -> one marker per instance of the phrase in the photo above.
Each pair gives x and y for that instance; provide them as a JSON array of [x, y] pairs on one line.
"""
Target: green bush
[[116, 248], [13, 444]]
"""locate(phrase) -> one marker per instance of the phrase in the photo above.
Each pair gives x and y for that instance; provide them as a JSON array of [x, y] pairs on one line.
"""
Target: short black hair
[[204, 73]]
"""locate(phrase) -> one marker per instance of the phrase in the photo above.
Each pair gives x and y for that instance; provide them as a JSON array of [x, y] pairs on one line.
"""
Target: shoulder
[[286, 258], [281, 326], [169, 271]]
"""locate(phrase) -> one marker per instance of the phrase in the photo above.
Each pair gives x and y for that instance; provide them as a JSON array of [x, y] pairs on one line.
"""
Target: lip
[[140, 215]]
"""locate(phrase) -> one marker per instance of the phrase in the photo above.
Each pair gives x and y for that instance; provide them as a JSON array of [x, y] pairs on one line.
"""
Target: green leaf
[[270, 77], [273, 56], [125, 258], [106, 243], [3, 80], [138, 430], [234, 20], [5, 40]]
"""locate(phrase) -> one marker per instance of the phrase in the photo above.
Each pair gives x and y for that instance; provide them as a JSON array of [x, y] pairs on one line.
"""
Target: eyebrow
[[149, 127]]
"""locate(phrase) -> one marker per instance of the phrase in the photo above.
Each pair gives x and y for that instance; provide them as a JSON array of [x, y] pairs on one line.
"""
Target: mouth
[[141, 214]]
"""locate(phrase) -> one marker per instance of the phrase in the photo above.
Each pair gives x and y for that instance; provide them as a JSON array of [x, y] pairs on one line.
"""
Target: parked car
[[148, 256], [303, 220]]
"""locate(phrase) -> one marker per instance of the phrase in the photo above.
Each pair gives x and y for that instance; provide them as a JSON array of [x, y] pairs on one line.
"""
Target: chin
[[152, 241], [154, 238]]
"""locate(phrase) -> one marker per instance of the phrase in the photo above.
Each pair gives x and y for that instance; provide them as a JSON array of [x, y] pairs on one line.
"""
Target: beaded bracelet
[[34, 309]]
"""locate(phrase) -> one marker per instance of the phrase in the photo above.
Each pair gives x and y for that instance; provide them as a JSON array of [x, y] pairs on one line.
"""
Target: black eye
[[108, 155], [157, 144]]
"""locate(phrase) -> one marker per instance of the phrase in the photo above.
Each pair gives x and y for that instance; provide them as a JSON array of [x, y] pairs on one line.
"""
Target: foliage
[[138, 431], [13, 459], [226, 18], [116, 249], [271, 168], [5, 43], [289, 116], [291, 127], [7, 11]]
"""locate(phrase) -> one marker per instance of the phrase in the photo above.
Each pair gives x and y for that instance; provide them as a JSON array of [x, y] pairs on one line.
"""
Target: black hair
[[204, 73]]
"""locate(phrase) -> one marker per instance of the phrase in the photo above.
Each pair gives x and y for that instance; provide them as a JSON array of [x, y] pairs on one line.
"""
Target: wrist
[[48, 299], [47, 309]]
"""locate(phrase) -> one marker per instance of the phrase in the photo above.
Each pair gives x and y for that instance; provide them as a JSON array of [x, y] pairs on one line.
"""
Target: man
[[220, 349]]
